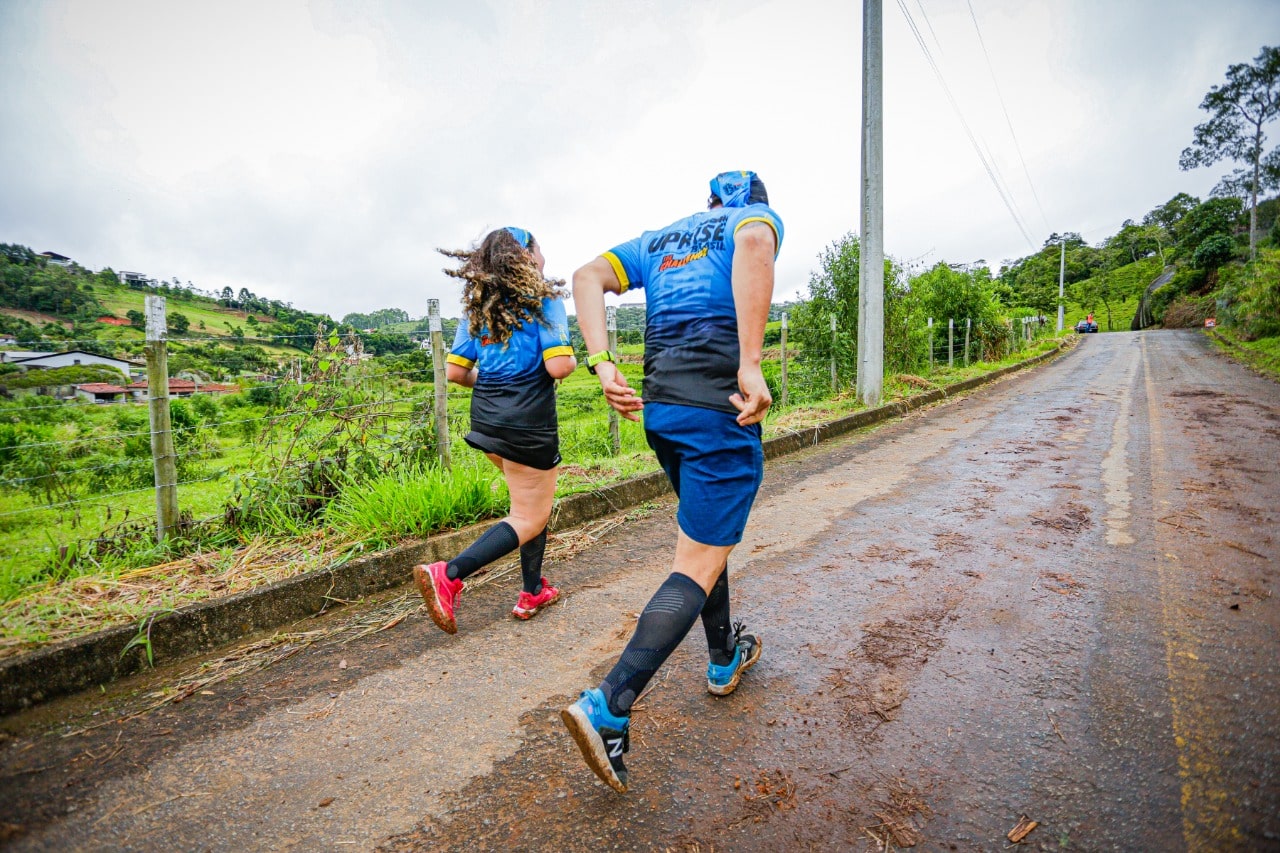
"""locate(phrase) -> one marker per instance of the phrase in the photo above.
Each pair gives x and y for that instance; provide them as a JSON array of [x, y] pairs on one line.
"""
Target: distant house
[[133, 279], [100, 392], [55, 258], [11, 356], [182, 388], [50, 360]]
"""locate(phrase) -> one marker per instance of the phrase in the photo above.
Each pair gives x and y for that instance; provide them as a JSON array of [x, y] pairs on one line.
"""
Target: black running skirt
[[536, 448]]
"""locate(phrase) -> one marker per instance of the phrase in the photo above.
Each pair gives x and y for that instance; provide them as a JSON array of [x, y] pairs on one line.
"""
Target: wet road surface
[[1053, 599]]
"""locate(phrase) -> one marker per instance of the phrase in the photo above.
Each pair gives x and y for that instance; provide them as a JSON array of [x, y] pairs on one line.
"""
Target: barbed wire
[[99, 498]]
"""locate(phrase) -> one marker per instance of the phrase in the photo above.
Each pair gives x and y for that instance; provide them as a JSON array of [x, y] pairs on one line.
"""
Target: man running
[[708, 280]]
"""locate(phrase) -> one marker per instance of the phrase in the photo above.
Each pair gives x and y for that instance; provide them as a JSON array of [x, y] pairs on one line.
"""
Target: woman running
[[510, 348]]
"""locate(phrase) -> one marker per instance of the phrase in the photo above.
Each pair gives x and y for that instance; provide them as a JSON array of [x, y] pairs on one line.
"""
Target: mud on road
[[1053, 599]]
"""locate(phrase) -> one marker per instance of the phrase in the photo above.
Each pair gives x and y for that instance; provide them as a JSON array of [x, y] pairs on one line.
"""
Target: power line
[[986, 163], [1007, 120]]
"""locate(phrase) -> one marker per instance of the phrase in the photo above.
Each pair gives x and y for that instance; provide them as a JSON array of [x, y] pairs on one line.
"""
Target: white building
[[50, 360]]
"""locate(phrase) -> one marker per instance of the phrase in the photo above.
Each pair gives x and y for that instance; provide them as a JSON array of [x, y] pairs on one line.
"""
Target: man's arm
[[590, 284], [754, 248]]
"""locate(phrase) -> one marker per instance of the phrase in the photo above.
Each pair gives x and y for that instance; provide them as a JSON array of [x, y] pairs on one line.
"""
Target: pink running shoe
[[440, 594], [528, 605]]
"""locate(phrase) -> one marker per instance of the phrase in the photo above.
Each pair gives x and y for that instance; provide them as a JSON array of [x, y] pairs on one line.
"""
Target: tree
[[1239, 109], [136, 317], [179, 322]]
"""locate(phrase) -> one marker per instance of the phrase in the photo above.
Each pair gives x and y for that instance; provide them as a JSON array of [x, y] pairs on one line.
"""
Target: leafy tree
[[1214, 252], [179, 322], [1208, 219], [1239, 110], [136, 317]]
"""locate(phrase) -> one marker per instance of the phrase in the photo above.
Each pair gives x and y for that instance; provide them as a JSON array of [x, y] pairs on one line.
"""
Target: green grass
[[1263, 354]]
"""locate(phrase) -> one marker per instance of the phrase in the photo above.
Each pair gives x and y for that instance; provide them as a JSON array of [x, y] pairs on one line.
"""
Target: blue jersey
[[512, 388], [691, 327]]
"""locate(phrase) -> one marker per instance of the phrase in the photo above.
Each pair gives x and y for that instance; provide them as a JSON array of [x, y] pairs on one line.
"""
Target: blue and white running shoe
[[602, 737], [723, 680]]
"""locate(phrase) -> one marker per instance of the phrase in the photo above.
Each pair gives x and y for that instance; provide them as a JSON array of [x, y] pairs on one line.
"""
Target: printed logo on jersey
[[708, 235], [671, 262]]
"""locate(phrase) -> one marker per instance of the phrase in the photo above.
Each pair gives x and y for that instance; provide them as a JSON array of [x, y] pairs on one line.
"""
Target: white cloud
[[319, 152]]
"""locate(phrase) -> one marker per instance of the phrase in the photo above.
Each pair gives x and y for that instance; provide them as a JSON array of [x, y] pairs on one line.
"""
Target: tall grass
[[417, 500]]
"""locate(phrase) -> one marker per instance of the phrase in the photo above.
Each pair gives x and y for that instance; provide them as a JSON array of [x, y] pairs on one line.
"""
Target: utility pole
[[871, 261], [1062, 274], [162, 455], [436, 327]]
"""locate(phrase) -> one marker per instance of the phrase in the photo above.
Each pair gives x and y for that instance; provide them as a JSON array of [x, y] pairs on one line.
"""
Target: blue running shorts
[[714, 465]]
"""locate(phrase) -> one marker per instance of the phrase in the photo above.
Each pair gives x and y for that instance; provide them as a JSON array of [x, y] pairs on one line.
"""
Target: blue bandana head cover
[[739, 189], [523, 237]]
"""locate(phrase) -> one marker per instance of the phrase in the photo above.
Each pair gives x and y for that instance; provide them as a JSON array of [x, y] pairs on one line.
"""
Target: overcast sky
[[318, 152]]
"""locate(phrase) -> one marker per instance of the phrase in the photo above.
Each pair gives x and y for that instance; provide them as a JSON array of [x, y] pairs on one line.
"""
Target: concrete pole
[[162, 454], [1062, 274], [968, 326], [438, 378], [870, 364], [611, 326]]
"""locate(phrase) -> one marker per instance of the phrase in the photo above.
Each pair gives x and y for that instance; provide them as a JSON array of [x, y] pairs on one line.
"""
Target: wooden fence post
[[162, 455], [784, 361], [611, 327], [441, 384], [951, 342], [931, 345], [835, 382]]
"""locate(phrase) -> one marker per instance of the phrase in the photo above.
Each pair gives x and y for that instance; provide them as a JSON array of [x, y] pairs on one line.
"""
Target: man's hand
[[621, 396], [754, 400]]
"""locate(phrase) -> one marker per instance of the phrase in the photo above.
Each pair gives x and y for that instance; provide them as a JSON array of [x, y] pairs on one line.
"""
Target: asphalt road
[[1052, 599]]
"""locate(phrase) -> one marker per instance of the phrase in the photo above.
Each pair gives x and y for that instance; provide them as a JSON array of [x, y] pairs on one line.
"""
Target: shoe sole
[[726, 689], [592, 747], [521, 613], [435, 609]]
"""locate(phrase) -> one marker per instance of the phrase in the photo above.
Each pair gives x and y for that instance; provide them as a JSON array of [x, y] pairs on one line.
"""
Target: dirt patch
[[1062, 583], [898, 812], [35, 317], [1072, 518]]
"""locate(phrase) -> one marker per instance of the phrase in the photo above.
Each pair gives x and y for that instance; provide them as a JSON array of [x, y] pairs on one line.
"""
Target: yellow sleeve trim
[[777, 243], [617, 270], [552, 352], [460, 361]]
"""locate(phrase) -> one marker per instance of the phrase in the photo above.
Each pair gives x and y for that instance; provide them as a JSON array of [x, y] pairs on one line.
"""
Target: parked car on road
[[1086, 326]]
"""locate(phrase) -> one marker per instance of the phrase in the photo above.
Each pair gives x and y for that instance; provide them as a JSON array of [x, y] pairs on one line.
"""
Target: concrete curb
[[77, 664]]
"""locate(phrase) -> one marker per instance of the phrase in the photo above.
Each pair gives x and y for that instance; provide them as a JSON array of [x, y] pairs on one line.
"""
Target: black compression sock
[[664, 623], [497, 542], [531, 562], [716, 622]]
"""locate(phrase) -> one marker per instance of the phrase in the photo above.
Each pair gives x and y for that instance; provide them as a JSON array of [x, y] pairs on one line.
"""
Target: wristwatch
[[593, 360]]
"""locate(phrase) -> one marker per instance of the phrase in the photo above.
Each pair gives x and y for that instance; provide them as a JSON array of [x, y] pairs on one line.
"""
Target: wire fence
[[61, 459]]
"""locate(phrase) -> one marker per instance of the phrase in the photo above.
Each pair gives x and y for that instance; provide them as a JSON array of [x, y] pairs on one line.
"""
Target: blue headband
[[733, 188], [523, 237]]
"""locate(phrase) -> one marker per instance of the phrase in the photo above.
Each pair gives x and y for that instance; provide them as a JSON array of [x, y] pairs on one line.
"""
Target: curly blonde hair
[[503, 287]]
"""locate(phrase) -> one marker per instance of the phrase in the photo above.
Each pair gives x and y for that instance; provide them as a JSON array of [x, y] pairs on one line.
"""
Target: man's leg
[[716, 621], [665, 621], [600, 720]]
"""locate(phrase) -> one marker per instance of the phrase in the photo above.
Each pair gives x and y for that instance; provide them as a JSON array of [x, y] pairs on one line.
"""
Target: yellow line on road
[[1207, 822]]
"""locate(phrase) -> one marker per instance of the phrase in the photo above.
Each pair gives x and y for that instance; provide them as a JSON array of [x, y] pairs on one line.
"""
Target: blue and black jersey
[[691, 328], [513, 390]]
